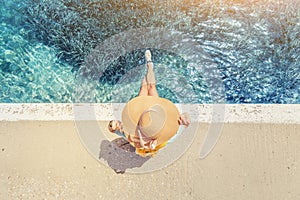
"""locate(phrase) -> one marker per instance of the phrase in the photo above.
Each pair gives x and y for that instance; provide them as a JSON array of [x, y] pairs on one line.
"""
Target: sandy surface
[[46, 160]]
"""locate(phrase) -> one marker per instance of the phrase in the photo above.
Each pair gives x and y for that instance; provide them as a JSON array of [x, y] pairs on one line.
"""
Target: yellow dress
[[149, 152]]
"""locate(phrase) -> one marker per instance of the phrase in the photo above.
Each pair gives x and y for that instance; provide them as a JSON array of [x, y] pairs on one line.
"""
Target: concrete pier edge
[[233, 113]]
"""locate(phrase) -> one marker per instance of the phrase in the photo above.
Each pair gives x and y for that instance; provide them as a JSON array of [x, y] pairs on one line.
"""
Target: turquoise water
[[254, 46]]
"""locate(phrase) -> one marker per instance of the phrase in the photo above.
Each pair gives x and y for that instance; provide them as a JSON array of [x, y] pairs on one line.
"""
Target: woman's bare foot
[[148, 56]]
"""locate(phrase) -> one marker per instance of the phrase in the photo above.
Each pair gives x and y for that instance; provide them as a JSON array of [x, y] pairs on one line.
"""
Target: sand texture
[[46, 160]]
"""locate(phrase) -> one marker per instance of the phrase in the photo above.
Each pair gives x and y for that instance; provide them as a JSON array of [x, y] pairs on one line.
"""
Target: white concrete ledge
[[206, 113]]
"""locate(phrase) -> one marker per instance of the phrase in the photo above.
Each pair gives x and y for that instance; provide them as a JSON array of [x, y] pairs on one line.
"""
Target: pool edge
[[230, 113]]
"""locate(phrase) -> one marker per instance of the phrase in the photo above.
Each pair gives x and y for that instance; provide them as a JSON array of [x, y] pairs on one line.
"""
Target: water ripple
[[255, 45]]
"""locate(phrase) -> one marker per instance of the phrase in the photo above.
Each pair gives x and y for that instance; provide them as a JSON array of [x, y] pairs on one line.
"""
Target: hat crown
[[152, 121]]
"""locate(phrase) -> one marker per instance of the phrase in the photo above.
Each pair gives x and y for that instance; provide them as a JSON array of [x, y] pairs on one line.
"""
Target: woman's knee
[[152, 90], [143, 90]]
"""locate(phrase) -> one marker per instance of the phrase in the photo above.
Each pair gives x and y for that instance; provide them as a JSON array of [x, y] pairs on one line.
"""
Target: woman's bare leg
[[144, 88], [150, 76]]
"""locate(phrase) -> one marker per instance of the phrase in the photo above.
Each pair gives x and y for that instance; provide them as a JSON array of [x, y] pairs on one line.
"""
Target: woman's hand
[[184, 119], [115, 125]]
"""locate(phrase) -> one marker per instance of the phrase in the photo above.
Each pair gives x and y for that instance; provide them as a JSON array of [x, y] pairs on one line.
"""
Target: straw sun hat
[[151, 117]]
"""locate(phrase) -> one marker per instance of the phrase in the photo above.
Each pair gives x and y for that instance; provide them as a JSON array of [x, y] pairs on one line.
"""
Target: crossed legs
[[148, 87]]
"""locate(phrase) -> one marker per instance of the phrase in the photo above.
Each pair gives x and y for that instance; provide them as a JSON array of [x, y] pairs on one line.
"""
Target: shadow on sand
[[120, 155]]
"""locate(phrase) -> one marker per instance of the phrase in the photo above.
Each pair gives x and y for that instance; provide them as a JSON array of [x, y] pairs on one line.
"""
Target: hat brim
[[136, 106]]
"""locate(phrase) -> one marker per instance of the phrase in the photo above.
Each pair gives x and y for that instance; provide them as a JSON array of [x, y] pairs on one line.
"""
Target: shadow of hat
[[120, 155]]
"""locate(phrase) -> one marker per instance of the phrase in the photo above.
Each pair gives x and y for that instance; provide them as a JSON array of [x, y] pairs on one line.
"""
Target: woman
[[148, 121]]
